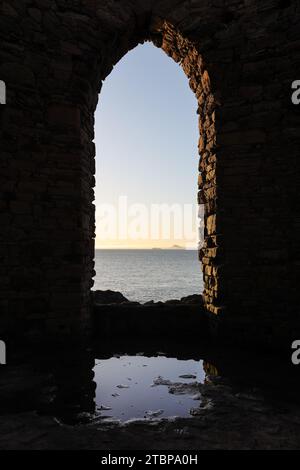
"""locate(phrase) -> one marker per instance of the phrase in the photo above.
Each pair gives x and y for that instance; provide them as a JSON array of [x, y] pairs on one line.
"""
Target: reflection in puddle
[[76, 388], [245, 400], [138, 387]]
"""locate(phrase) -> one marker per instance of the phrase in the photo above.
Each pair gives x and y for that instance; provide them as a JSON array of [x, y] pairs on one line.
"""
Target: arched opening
[[184, 52], [148, 222]]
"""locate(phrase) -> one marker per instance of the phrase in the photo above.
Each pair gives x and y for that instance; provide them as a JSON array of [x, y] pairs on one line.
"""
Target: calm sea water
[[144, 275]]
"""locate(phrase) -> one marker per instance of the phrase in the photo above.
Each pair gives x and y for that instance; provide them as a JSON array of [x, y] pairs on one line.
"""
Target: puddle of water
[[72, 384], [127, 387]]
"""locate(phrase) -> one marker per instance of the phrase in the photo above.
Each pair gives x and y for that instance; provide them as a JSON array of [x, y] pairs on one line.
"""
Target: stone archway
[[241, 60], [165, 36]]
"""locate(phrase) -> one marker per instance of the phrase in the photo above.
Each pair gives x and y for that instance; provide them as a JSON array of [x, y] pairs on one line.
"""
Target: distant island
[[174, 247]]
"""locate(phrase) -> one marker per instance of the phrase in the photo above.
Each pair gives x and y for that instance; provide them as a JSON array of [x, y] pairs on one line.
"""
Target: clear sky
[[146, 138]]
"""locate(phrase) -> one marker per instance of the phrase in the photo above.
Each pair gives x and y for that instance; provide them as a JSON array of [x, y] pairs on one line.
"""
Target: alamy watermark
[[296, 354], [2, 352], [296, 93], [153, 222], [2, 92]]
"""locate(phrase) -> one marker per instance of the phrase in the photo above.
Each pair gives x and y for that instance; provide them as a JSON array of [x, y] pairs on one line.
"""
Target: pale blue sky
[[146, 132]]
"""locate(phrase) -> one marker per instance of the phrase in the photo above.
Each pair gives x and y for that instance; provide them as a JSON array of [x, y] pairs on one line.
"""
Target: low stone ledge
[[182, 319]]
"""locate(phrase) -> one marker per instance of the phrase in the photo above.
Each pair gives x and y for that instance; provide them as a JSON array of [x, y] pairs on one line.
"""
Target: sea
[[145, 275]]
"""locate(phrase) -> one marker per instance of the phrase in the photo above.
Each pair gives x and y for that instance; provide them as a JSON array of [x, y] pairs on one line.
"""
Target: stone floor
[[226, 421], [248, 402]]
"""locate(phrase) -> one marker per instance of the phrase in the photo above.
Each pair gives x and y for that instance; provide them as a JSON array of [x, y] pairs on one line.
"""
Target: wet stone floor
[[148, 396]]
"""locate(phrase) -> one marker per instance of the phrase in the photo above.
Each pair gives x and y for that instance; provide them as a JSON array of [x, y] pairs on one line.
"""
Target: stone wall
[[240, 57]]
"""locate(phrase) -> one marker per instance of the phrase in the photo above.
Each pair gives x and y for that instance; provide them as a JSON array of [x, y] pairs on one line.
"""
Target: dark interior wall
[[240, 58]]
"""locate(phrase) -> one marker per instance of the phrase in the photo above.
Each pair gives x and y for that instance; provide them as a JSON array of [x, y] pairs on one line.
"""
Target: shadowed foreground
[[248, 401], [227, 421]]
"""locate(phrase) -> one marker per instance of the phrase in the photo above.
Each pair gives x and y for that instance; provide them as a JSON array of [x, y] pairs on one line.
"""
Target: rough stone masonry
[[240, 58]]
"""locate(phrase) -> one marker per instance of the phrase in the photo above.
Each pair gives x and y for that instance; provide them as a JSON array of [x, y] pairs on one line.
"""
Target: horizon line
[[146, 248]]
